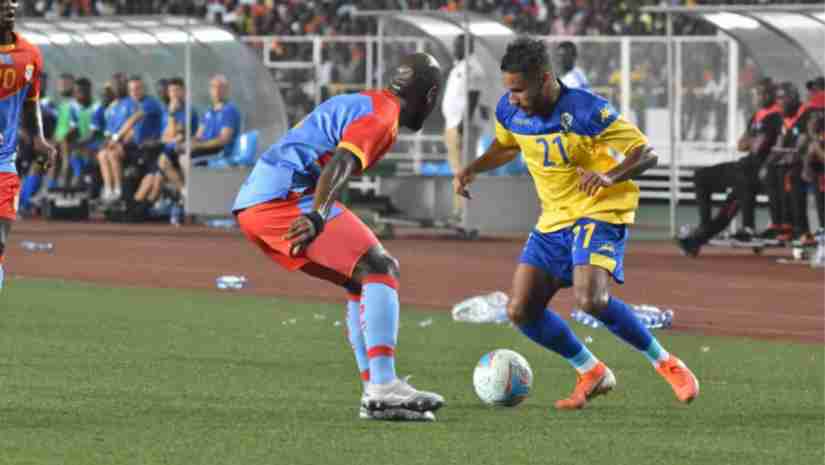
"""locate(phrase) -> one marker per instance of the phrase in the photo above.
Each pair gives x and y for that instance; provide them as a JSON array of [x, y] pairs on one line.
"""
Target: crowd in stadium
[[292, 17]]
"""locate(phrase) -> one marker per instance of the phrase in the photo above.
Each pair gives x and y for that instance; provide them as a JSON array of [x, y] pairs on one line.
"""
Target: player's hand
[[591, 181], [303, 231], [46, 155], [461, 180]]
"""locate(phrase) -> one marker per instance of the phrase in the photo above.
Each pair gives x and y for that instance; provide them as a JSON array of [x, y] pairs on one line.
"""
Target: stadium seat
[[244, 154]]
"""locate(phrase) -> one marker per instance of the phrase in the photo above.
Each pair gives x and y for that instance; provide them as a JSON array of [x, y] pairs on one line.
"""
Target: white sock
[[1, 276]]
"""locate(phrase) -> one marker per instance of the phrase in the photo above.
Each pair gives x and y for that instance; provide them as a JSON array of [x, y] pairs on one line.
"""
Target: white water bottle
[[230, 282]]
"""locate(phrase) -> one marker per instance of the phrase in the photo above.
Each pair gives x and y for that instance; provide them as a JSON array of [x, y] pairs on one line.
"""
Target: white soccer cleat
[[395, 414], [399, 394]]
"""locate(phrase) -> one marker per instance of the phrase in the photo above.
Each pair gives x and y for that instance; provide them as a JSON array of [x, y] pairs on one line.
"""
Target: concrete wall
[[500, 204]]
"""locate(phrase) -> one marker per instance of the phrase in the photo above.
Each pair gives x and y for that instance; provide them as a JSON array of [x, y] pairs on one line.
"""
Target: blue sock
[[77, 163], [621, 321], [380, 300], [356, 336], [31, 184], [553, 333], [51, 184]]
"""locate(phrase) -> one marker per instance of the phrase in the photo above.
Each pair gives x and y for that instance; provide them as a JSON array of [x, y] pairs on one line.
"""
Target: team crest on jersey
[[566, 122], [29, 73], [605, 112]]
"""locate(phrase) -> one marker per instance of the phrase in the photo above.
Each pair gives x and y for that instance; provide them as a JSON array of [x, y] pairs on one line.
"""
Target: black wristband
[[318, 221]]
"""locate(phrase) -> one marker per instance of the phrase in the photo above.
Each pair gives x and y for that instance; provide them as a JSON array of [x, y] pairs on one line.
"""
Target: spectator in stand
[[571, 75], [742, 176], [143, 125], [785, 164], [81, 141], [216, 137], [174, 130], [117, 114], [66, 121], [814, 164]]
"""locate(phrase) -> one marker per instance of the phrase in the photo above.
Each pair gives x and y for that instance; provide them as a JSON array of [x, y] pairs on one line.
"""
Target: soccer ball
[[502, 377]]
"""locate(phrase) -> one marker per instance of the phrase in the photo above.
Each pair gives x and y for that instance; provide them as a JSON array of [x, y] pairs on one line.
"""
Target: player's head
[[120, 85], [137, 90], [815, 85], [787, 95], [566, 54], [65, 85], [162, 90], [459, 46], [219, 89], [83, 91], [8, 14], [107, 93], [417, 81], [177, 89], [764, 93], [527, 72]]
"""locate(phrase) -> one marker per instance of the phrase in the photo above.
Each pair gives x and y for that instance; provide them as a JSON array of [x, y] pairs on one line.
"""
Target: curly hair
[[527, 56]]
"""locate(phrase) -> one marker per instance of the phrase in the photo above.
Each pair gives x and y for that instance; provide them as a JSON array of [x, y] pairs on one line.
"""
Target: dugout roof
[[490, 40], [786, 41], [155, 47]]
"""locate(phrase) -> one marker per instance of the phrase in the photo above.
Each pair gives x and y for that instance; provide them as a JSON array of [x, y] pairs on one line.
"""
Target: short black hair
[[176, 81], [527, 56], [570, 46], [768, 85], [789, 89], [136, 77], [84, 83], [69, 76]]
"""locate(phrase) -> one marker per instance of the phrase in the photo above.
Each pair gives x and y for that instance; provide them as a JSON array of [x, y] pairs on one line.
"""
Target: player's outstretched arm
[[495, 156], [333, 180], [635, 163], [33, 118]]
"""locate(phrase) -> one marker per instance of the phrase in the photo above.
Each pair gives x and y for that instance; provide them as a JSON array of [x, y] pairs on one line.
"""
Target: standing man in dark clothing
[[741, 175]]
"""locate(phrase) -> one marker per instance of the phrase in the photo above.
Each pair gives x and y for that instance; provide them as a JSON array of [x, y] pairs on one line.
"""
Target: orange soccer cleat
[[681, 379], [598, 381]]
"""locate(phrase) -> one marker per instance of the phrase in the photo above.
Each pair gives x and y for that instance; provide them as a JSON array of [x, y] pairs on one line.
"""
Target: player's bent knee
[[377, 261], [592, 302], [519, 312]]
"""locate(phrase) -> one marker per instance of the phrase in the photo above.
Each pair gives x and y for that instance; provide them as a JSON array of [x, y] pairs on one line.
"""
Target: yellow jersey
[[580, 132]]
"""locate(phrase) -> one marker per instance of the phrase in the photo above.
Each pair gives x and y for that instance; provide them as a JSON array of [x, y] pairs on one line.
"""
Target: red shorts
[[342, 243], [9, 195]]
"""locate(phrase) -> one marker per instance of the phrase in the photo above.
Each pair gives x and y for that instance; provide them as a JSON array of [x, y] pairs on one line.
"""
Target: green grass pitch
[[95, 375]]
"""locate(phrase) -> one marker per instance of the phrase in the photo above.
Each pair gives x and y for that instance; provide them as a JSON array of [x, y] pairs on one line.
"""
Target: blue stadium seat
[[244, 154]]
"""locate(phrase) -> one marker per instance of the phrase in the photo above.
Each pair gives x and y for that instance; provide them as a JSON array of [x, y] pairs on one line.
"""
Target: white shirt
[[575, 78], [455, 91]]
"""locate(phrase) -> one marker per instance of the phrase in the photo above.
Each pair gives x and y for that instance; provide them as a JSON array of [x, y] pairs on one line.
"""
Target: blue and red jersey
[[365, 124], [20, 68]]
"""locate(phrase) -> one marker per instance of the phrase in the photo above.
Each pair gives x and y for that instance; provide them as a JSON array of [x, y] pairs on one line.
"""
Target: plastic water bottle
[[230, 282], [176, 215], [32, 246], [651, 317], [223, 223], [818, 257], [585, 319], [489, 308]]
